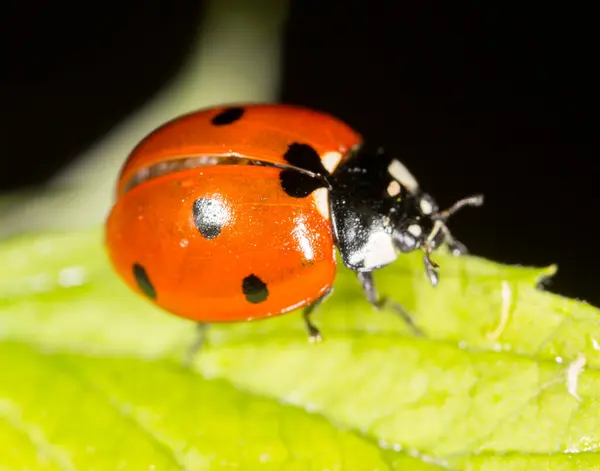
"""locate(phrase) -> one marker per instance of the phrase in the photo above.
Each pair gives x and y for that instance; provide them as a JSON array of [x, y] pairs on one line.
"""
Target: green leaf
[[506, 377]]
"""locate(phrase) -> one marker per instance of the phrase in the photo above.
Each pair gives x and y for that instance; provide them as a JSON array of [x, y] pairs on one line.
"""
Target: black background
[[494, 99]]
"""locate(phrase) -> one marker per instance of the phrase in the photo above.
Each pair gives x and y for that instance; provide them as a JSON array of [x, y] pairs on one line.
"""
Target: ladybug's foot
[[197, 344], [314, 335], [368, 286], [431, 268], [456, 247]]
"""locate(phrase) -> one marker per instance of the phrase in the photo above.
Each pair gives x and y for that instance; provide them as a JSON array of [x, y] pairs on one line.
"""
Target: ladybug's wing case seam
[[262, 132]]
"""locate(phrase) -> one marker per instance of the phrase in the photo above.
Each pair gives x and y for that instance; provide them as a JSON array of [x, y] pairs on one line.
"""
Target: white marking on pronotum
[[573, 372], [506, 295], [397, 170], [321, 196], [331, 160], [595, 345], [380, 250], [394, 188]]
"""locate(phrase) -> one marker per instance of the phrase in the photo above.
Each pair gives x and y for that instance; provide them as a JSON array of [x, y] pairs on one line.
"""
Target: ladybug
[[234, 213]]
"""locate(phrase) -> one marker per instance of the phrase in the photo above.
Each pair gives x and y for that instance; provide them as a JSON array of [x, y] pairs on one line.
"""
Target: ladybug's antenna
[[473, 201]]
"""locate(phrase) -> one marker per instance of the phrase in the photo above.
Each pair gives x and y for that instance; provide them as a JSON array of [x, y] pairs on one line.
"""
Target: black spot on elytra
[[210, 216], [143, 281], [299, 185], [254, 289], [228, 116], [305, 157]]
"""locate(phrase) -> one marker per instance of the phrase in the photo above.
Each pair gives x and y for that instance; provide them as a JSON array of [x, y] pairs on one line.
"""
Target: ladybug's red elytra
[[234, 213]]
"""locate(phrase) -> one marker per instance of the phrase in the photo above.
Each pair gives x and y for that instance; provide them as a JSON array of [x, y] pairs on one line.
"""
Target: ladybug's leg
[[197, 344], [314, 335], [455, 246], [368, 286]]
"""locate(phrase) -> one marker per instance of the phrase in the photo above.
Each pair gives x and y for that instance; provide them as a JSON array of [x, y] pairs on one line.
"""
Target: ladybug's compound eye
[[408, 237]]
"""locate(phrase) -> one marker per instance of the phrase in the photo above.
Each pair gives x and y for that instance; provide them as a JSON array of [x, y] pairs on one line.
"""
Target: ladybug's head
[[424, 226]]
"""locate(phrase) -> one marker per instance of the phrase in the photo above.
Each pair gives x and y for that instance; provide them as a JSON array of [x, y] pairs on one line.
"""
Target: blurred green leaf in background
[[235, 58], [91, 375]]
